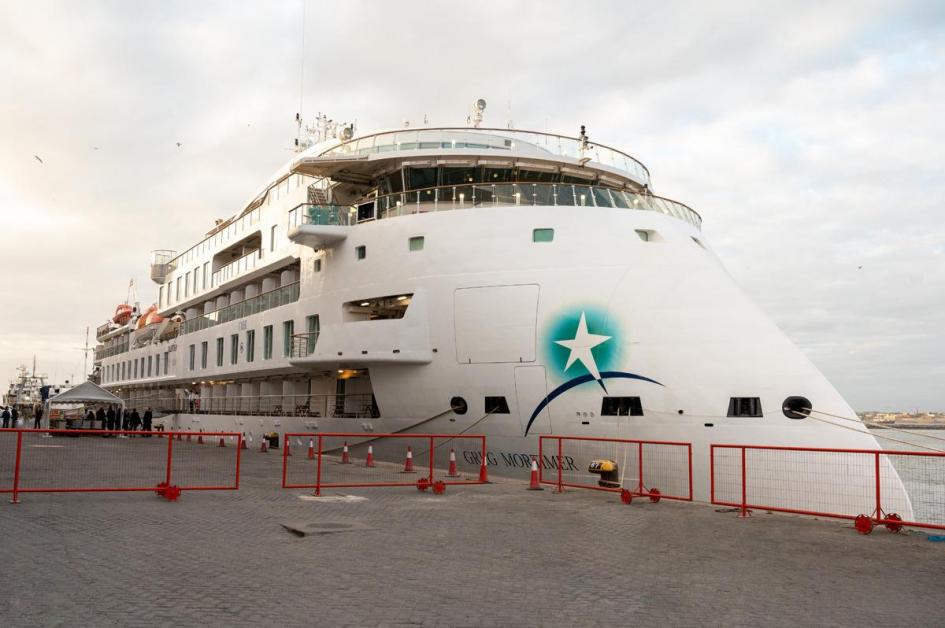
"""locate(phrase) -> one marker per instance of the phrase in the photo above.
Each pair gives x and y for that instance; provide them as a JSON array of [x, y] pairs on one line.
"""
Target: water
[[922, 476]]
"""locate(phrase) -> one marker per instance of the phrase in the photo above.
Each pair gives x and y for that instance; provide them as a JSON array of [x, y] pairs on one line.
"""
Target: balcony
[[244, 308], [237, 268]]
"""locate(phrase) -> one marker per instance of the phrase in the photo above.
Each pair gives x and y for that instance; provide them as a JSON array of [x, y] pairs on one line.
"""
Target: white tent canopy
[[87, 392]]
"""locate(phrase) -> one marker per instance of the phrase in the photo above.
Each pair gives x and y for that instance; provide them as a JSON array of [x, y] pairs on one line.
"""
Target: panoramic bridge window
[[744, 406]]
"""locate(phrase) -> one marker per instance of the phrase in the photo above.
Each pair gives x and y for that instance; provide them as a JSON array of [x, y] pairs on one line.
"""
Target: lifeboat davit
[[122, 314]]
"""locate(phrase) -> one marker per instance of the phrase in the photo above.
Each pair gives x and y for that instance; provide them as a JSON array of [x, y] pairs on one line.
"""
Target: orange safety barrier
[[91, 461], [653, 469], [870, 487], [356, 459]]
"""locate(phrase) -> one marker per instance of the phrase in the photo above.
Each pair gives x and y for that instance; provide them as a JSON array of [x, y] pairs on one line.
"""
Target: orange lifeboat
[[150, 317], [122, 314]]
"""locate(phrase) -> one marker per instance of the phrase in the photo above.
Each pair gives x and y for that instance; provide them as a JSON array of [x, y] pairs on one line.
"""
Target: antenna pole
[[298, 116]]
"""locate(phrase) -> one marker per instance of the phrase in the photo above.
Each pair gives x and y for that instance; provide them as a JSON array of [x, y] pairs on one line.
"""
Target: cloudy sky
[[810, 136]]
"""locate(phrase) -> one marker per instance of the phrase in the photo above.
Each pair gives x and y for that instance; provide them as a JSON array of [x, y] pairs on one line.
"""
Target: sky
[[810, 136]]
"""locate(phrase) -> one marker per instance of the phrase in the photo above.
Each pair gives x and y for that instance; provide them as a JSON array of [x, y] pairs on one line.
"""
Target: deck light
[[402, 297], [365, 304]]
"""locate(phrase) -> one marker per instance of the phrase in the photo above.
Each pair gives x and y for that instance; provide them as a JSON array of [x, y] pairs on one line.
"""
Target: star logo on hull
[[580, 347]]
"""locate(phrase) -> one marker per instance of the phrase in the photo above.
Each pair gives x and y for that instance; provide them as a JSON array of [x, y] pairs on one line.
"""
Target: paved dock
[[495, 555]]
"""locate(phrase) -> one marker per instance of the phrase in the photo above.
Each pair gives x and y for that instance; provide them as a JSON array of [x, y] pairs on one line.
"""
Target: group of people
[[11, 415], [121, 419]]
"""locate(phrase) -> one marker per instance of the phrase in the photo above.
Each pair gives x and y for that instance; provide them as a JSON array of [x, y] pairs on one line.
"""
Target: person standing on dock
[[134, 422], [38, 417], [100, 417], [148, 416], [110, 418], [14, 416], [6, 417]]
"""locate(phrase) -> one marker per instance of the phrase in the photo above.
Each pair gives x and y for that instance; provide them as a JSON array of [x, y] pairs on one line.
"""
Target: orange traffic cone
[[408, 463], [222, 443], [311, 449], [344, 455], [243, 441], [534, 485], [452, 473], [483, 472], [200, 438], [370, 457]]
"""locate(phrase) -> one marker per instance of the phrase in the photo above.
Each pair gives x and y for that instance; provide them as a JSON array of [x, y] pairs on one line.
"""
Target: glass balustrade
[[242, 309]]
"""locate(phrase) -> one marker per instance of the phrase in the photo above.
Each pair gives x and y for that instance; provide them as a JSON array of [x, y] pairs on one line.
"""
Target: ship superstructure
[[445, 279]]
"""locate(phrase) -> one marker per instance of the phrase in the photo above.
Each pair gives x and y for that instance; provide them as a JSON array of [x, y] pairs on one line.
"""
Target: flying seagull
[[179, 144], [36, 157]]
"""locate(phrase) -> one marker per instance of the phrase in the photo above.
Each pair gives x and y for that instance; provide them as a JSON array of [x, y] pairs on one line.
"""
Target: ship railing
[[241, 309], [101, 330], [464, 138], [452, 197], [303, 345], [107, 352], [237, 267], [869, 487], [348, 406]]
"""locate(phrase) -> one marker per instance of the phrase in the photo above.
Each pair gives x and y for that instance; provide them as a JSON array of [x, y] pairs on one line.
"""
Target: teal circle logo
[[582, 341]]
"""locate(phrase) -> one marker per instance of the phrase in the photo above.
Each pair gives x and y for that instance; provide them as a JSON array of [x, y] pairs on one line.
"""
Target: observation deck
[[358, 159]]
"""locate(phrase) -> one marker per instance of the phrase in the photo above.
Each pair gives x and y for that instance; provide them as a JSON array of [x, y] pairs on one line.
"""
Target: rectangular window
[[288, 329], [167, 356], [219, 351], [317, 266], [415, 243], [177, 290], [360, 252], [621, 406], [267, 342], [497, 405], [196, 279], [149, 365], [744, 406], [204, 349], [157, 365], [193, 355], [135, 370], [250, 345], [234, 348], [123, 371], [187, 284], [168, 286], [206, 274], [161, 296], [543, 235], [313, 327], [273, 233]]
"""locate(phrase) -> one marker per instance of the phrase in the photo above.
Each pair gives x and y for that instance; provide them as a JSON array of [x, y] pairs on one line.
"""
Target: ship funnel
[[162, 264]]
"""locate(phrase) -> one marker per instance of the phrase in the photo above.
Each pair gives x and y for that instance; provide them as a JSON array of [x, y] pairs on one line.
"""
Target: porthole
[[796, 407], [458, 405]]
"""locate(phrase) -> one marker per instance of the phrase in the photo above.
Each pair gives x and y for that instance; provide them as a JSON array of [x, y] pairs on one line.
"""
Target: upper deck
[[485, 143]]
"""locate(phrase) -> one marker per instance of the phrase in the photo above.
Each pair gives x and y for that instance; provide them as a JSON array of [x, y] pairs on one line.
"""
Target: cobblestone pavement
[[494, 555]]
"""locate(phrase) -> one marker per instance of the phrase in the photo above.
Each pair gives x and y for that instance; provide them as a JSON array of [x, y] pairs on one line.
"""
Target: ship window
[[621, 406], [317, 266], [193, 355], [415, 243], [644, 234], [543, 235], [206, 273], [584, 196], [459, 405], [250, 345], [167, 356], [744, 406], [288, 330], [219, 351], [203, 354], [497, 405], [150, 358], [273, 233], [457, 176], [619, 199], [497, 175], [360, 252], [267, 342], [234, 348], [419, 178], [157, 365]]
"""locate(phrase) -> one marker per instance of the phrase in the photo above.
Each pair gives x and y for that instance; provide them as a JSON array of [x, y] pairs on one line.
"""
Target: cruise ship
[[465, 279]]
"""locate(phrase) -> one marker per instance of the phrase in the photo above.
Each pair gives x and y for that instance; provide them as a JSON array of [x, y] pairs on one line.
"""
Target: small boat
[[123, 314]]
